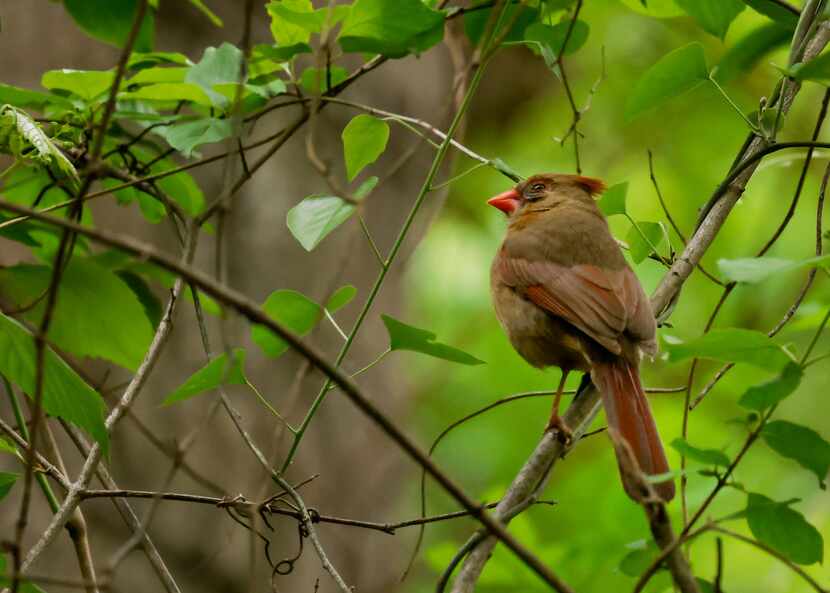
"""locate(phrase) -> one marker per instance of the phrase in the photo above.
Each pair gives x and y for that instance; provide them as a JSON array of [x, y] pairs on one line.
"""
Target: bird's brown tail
[[629, 415]]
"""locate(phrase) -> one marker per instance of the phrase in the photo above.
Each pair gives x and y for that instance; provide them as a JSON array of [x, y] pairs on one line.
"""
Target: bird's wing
[[601, 303]]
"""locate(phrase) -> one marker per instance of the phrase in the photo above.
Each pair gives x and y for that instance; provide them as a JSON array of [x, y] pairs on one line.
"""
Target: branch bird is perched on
[[566, 297]]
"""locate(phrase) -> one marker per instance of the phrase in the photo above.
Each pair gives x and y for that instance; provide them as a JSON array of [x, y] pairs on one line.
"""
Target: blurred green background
[[694, 139]]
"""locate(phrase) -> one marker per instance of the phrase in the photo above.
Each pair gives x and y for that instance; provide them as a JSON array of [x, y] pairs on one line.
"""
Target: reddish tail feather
[[628, 413]]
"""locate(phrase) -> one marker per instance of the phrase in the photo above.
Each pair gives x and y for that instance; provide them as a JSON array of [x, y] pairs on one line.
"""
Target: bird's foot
[[563, 432]]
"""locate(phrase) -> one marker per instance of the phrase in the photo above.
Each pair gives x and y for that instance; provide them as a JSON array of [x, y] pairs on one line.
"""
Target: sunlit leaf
[[641, 247], [293, 310], [801, 444], [613, 200], [214, 374], [713, 16], [65, 394], [784, 529], [730, 345], [20, 97], [315, 217], [169, 91], [341, 297], [675, 73], [87, 84], [219, 65], [408, 337], [392, 29], [761, 397], [364, 140], [706, 456], [286, 33]]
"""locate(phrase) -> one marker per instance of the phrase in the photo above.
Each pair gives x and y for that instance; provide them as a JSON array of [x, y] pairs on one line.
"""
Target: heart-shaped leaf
[[315, 217]]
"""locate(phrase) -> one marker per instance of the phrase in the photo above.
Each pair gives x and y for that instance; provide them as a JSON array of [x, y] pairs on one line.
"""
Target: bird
[[566, 297]]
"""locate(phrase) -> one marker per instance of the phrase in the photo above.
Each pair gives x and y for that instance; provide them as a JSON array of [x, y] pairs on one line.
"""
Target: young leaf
[[293, 310], [215, 373], [705, 456], [407, 337], [675, 73], [7, 480], [315, 217], [613, 200], [218, 66], [287, 33], [185, 137], [760, 397], [87, 84], [746, 53], [784, 529], [392, 29], [65, 394], [730, 345], [341, 297], [364, 140], [801, 444], [553, 36], [91, 298], [639, 247], [110, 21], [713, 16]]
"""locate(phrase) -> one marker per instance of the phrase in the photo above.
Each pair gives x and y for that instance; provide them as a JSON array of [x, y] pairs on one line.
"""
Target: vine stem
[[413, 212]]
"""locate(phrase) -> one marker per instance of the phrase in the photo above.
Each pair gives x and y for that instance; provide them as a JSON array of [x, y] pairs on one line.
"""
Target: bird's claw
[[563, 432]]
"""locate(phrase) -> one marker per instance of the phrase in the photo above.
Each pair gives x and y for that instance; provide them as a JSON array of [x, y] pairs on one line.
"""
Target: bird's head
[[543, 192]]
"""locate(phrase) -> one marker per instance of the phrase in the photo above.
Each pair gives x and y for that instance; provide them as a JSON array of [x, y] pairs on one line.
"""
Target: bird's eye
[[537, 187]]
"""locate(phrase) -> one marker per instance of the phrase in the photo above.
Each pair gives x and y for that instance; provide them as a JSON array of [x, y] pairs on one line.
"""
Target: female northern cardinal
[[566, 297]]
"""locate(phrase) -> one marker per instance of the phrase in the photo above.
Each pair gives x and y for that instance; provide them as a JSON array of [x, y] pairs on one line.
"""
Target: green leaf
[[760, 397], [140, 60], [642, 553], [705, 456], [613, 200], [159, 74], [220, 65], [364, 140], [293, 310], [475, 23], [675, 73], [87, 84], [65, 394], [286, 33], [20, 97], [746, 53], [774, 11], [215, 373], [153, 210], [170, 91], [183, 189], [7, 447], [281, 53], [365, 188], [817, 69], [784, 529], [408, 337], [801, 444], [713, 16], [341, 297], [392, 28], [7, 480], [730, 345], [185, 137], [110, 21], [149, 301], [315, 217], [310, 79], [639, 247], [756, 269], [553, 36], [91, 298]]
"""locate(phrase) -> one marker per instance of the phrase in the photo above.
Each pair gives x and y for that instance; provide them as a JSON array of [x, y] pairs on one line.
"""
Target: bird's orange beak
[[507, 202]]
